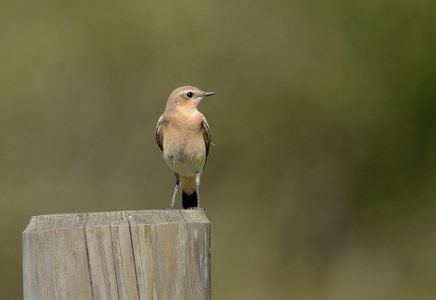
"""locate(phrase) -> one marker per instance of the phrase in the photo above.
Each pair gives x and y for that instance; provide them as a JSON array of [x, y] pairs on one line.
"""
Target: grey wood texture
[[150, 254]]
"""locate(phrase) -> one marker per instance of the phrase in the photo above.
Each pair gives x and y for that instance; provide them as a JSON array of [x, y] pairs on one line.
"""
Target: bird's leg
[[197, 180], [173, 201], [198, 196]]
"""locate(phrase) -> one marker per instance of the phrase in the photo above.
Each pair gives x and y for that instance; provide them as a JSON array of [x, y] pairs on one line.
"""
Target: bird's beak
[[205, 94]]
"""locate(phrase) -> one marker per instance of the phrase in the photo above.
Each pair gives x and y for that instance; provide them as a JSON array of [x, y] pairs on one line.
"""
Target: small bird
[[183, 136]]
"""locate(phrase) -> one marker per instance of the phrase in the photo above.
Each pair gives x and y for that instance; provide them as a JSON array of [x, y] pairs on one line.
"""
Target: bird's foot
[[196, 208]]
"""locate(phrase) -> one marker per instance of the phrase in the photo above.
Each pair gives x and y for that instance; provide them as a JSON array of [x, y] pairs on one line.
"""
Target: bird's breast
[[184, 149]]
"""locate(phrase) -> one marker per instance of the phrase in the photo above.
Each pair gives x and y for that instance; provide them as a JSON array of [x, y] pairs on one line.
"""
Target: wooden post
[[151, 254]]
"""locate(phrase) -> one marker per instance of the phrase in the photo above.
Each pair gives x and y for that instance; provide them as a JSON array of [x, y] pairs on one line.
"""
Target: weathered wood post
[[151, 254]]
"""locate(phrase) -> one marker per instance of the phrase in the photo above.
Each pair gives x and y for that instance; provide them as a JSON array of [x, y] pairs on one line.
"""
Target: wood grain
[[150, 254]]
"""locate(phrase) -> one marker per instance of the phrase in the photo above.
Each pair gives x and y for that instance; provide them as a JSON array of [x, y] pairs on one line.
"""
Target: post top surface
[[115, 218]]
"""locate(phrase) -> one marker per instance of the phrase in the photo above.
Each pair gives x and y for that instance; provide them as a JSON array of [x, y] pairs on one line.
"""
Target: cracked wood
[[152, 254]]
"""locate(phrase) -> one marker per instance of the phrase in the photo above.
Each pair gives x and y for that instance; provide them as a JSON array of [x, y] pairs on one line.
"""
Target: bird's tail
[[189, 194], [189, 201]]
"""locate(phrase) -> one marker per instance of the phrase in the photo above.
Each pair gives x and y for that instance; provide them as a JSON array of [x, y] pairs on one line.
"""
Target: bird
[[183, 136]]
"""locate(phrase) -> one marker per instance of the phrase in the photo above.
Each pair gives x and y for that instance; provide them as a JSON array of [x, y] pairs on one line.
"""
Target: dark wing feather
[[159, 138], [207, 136]]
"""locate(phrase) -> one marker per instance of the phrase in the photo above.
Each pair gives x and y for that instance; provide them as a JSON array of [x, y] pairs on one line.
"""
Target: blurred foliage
[[322, 183]]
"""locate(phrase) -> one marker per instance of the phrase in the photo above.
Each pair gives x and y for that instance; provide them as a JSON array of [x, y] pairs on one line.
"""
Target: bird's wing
[[159, 139], [206, 135]]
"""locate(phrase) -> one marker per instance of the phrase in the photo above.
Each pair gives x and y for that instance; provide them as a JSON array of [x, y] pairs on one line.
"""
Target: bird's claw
[[197, 208]]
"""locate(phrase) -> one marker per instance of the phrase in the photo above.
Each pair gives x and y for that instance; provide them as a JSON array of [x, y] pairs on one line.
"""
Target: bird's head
[[187, 96]]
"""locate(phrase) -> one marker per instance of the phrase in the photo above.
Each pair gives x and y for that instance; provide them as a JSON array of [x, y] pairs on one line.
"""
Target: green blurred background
[[322, 183]]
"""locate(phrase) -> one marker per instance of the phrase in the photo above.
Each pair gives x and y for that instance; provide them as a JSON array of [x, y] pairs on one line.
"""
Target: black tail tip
[[189, 201]]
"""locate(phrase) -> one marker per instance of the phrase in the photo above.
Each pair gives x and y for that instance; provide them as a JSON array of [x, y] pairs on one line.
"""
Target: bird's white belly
[[186, 158]]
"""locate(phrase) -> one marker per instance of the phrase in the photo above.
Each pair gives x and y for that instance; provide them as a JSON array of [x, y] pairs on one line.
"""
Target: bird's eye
[[189, 94]]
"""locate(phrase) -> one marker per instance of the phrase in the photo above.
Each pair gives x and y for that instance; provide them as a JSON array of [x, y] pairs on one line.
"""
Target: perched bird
[[183, 136]]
